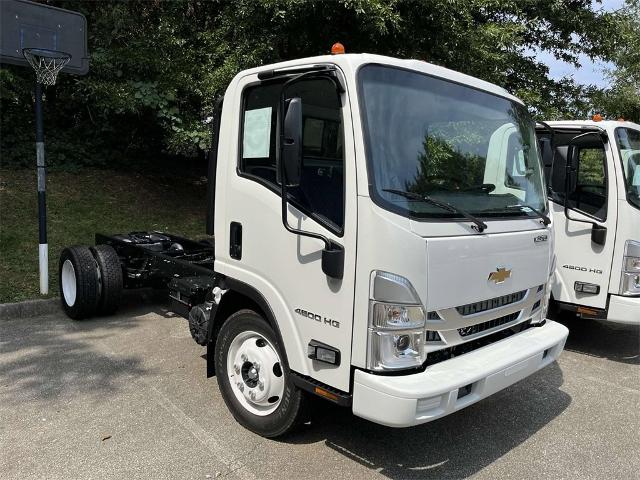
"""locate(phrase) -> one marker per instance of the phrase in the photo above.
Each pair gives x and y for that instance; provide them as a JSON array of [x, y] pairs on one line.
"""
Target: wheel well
[[232, 302]]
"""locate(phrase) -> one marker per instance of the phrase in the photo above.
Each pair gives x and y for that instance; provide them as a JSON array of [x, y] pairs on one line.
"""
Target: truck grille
[[491, 303], [481, 327], [432, 336]]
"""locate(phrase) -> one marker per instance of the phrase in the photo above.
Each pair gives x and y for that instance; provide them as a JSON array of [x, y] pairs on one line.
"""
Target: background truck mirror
[[292, 142], [571, 176], [598, 232]]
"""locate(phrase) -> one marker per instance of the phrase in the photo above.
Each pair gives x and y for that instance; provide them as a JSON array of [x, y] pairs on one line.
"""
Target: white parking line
[[233, 465]]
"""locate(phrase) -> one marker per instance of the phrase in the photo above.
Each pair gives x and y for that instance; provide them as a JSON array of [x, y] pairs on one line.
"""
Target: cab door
[[583, 257], [256, 248]]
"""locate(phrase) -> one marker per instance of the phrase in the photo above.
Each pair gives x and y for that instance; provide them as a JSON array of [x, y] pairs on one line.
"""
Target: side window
[[259, 121], [590, 195], [321, 190]]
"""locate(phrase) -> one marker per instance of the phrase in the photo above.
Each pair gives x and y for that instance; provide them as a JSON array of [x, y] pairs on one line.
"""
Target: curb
[[29, 308]]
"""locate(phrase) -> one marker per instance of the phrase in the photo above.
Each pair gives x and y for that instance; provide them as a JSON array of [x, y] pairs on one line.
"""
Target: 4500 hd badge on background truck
[[366, 251]]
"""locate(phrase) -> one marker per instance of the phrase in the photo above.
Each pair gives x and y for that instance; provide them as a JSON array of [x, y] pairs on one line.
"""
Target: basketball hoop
[[46, 63], [50, 40]]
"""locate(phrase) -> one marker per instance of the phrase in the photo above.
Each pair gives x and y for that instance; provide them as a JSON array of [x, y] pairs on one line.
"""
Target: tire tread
[[111, 276], [86, 282], [278, 423]]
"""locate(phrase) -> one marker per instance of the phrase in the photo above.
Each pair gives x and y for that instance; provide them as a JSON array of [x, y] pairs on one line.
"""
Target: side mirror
[[292, 142], [598, 234], [571, 177]]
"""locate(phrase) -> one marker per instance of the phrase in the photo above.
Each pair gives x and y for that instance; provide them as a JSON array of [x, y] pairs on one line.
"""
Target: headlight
[[396, 324], [388, 315], [630, 281]]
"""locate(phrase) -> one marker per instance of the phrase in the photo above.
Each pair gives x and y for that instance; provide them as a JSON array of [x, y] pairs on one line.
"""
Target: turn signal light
[[337, 49], [586, 311], [326, 394]]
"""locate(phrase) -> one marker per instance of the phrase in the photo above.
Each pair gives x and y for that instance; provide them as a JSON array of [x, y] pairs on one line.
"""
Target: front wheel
[[254, 378]]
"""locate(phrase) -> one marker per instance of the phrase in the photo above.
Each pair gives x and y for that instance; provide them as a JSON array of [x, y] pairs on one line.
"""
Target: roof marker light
[[597, 118], [337, 49]]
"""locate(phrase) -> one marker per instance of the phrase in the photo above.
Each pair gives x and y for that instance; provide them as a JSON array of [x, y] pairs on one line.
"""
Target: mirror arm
[[283, 184], [595, 227], [333, 253]]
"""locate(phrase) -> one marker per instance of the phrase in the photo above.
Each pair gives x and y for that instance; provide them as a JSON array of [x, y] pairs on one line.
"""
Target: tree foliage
[[157, 66], [622, 99]]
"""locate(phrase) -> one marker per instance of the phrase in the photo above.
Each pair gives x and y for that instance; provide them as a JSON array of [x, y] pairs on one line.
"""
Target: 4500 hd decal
[[318, 318], [583, 269]]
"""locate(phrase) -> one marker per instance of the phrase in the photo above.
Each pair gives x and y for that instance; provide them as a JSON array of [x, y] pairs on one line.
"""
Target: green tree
[[157, 66], [447, 160], [622, 99]]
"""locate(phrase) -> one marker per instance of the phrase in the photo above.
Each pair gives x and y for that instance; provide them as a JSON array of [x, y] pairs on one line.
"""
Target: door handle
[[235, 240]]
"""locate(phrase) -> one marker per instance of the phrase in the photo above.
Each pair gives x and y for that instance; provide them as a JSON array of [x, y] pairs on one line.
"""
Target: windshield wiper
[[546, 220], [479, 226]]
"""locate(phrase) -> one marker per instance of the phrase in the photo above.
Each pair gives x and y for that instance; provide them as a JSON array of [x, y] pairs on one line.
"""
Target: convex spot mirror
[[598, 234]]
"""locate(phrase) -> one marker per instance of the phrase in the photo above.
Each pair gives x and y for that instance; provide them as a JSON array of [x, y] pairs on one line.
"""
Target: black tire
[[553, 310], [79, 292], [110, 279], [199, 324], [291, 410]]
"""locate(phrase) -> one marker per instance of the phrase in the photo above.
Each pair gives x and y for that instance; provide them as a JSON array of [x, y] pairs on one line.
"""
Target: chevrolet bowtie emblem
[[500, 275]]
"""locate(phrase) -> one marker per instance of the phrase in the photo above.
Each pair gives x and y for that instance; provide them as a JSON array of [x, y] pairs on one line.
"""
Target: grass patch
[[79, 205]]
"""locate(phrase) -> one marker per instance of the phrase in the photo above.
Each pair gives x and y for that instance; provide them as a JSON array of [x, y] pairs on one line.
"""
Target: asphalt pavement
[[127, 397]]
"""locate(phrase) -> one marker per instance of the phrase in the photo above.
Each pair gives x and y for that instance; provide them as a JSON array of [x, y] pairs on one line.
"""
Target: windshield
[[431, 137], [629, 144]]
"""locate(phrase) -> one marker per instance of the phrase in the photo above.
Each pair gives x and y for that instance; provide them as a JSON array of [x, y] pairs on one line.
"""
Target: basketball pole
[[43, 252]]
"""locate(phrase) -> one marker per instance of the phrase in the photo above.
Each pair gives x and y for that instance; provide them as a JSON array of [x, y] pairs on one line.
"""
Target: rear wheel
[[110, 278], [254, 378], [78, 280]]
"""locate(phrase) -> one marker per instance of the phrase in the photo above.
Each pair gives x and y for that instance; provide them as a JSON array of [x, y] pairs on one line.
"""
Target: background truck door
[[285, 267], [591, 199]]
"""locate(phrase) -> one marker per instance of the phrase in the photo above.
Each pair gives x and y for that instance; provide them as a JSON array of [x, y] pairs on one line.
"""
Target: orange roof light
[[597, 118], [337, 49]]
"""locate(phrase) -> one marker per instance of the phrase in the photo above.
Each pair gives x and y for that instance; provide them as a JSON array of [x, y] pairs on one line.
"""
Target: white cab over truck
[[593, 176], [365, 248]]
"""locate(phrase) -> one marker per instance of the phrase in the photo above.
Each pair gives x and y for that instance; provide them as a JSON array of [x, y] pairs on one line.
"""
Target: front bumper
[[624, 309], [406, 400]]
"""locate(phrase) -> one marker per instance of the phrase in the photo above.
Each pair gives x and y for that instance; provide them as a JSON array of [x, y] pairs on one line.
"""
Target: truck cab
[[375, 242], [442, 291], [592, 170]]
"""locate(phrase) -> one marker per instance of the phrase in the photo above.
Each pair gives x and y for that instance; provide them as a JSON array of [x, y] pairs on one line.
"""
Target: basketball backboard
[[25, 24]]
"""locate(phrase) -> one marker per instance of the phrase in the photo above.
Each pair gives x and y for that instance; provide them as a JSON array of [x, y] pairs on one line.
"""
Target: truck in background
[[365, 250], [592, 170]]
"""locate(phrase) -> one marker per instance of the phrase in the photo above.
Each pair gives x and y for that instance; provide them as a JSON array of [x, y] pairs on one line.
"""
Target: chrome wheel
[[255, 373], [68, 281]]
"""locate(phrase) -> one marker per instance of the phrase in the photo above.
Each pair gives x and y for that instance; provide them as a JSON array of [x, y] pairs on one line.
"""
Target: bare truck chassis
[[162, 260]]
